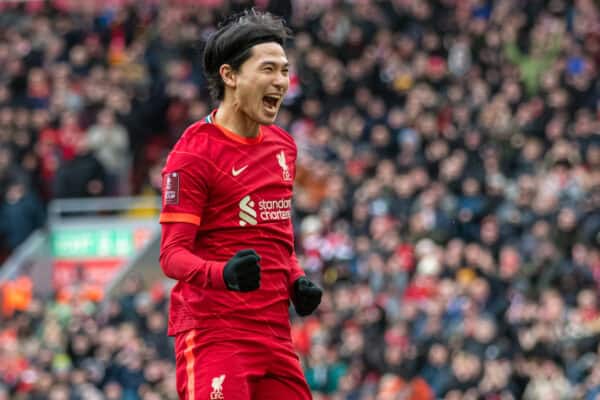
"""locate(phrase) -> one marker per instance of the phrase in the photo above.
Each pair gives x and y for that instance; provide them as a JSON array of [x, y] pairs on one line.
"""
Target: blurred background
[[447, 197]]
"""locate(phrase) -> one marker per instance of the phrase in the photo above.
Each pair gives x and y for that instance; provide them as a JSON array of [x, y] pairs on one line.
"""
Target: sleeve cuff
[[216, 275], [295, 275]]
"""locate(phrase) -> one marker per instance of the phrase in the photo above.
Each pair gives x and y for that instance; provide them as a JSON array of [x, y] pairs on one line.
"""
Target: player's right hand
[[242, 271]]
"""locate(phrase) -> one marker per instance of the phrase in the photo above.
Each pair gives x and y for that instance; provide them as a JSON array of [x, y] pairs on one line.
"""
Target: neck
[[231, 118]]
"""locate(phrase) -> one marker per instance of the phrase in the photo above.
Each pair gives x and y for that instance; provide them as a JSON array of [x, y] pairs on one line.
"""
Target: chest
[[263, 172]]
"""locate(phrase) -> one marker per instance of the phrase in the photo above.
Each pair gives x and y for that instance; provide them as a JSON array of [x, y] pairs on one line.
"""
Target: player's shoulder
[[193, 148], [281, 135], [196, 137]]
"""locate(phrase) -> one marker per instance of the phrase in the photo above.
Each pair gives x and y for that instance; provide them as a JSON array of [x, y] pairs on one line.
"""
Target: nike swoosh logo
[[236, 172]]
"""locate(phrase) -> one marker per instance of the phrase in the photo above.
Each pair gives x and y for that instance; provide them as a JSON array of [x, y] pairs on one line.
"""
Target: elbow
[[163, 260]]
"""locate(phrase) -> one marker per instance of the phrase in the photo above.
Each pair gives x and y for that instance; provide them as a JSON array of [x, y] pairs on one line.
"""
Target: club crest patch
[[171, 188]]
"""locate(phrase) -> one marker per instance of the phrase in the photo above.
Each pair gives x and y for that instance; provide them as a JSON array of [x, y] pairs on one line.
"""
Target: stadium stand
[[448, 194]]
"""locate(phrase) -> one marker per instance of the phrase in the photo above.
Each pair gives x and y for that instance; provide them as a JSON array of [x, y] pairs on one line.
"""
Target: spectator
[[83, 176], [109, 142], [21, 213]]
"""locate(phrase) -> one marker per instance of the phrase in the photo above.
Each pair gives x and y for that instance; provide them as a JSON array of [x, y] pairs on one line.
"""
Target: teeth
[[272, 101]]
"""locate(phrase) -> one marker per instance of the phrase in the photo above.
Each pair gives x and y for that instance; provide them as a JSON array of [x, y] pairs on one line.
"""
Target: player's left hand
[[307, 296]]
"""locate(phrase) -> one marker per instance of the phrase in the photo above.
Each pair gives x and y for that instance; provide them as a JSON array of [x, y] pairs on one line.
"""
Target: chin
[[266, 119]]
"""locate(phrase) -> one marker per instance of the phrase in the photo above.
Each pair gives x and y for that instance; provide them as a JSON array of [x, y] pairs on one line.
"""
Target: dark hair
[[232, 43]]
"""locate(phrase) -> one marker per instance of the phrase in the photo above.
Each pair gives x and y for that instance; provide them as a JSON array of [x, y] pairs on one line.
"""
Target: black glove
[[242, 271], [307, 296]]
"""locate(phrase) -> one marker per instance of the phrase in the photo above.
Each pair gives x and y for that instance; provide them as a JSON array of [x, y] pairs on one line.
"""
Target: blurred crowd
[[83, 351], [447, 196]]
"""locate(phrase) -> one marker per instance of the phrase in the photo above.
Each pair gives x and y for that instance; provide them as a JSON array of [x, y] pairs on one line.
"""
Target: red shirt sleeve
[[184, 187], [296, 270], [178, 262], [295, 273], [184, 191]]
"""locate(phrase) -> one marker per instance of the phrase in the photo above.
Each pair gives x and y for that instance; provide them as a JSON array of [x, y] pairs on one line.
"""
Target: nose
[[281, 82]]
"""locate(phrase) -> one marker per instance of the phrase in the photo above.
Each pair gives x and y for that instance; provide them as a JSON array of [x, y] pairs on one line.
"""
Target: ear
[[228, 75]]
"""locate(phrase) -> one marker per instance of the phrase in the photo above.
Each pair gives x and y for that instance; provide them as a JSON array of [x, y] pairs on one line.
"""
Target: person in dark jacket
[[21, 213], [83, 176]]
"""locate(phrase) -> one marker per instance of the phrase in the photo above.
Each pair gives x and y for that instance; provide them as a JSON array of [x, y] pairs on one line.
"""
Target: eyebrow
[[274, 63]]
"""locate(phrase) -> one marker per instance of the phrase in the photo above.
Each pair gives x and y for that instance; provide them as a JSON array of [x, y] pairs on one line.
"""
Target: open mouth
[[271, 102]]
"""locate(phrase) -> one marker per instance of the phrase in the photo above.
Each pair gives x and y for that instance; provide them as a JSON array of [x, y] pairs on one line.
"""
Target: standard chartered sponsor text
[[274, 204], [275, 210]]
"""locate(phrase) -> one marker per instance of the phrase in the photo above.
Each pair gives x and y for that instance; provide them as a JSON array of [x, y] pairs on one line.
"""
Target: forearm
[[295, 272], [304, 294], [178, 262]]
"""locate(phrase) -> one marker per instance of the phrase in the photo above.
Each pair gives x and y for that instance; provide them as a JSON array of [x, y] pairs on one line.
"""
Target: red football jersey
[[236, 193]]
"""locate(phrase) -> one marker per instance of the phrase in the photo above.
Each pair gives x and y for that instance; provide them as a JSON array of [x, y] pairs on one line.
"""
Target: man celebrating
[[227, 235]]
